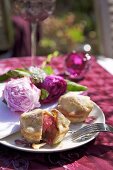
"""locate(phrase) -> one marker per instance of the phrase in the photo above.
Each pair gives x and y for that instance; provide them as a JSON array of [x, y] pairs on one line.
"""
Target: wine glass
[[34, 11]]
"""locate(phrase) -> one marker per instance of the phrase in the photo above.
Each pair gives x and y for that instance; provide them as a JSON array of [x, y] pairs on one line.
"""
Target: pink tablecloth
[[96, 155]]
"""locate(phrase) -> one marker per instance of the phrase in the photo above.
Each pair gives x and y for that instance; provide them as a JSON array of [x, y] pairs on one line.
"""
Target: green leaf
[[44, 94], [4, 77], [54, 54], [48, 70], [72, 86], [20, 72], [17, 73], [50, 56]]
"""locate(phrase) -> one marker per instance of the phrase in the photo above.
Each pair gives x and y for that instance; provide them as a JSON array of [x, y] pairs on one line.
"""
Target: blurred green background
[[72, 25]]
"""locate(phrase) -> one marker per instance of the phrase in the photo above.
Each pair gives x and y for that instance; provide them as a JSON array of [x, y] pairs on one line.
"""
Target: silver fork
[[88, 130]]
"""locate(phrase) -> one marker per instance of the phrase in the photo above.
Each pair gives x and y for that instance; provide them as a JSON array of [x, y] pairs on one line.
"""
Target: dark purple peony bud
[[77, 65], [55, 85]]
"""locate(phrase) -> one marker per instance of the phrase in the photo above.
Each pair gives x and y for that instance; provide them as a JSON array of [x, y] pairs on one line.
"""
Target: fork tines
[[88, 130]]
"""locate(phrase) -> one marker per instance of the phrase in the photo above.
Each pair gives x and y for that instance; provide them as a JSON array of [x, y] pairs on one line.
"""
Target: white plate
[[64, 145]]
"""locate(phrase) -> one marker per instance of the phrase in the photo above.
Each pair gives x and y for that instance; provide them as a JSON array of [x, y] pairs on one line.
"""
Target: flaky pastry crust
[[75, 107]]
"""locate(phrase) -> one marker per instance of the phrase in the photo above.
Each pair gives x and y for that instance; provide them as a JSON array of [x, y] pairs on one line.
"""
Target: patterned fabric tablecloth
[[96, 155]]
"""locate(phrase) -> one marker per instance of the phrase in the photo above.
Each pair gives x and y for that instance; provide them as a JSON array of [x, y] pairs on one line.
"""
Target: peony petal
[[21, 95]]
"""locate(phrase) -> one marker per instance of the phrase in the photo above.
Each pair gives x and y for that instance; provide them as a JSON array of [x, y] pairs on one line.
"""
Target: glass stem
[[33, 43]]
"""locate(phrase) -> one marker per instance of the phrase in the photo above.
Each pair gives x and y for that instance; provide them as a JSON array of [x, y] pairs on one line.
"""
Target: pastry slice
[[75, 107], [48, 126], [55, 126], [31, 125]]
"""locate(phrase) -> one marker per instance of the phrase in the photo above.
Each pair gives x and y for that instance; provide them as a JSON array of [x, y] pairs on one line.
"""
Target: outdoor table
[[95, 155]]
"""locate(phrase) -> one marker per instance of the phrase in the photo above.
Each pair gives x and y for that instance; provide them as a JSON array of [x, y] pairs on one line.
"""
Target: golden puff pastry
[[31, 125], [48, 126], [75, 107]]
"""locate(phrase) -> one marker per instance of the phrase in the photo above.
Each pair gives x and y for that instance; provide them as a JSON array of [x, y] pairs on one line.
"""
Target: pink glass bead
[[77, 65]]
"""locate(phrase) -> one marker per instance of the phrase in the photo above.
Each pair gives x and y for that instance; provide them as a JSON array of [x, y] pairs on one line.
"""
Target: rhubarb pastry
[[75, 107], [55, 126], [42, 125]]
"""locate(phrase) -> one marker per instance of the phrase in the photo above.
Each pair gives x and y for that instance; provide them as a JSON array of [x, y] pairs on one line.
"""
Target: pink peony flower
[[55, 85], [21, 95]]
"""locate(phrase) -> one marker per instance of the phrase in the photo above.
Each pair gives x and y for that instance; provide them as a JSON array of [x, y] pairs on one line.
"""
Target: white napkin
[[9, 121]]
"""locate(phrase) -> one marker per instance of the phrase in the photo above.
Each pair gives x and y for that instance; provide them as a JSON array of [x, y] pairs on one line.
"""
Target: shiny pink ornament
[[77, 65]]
